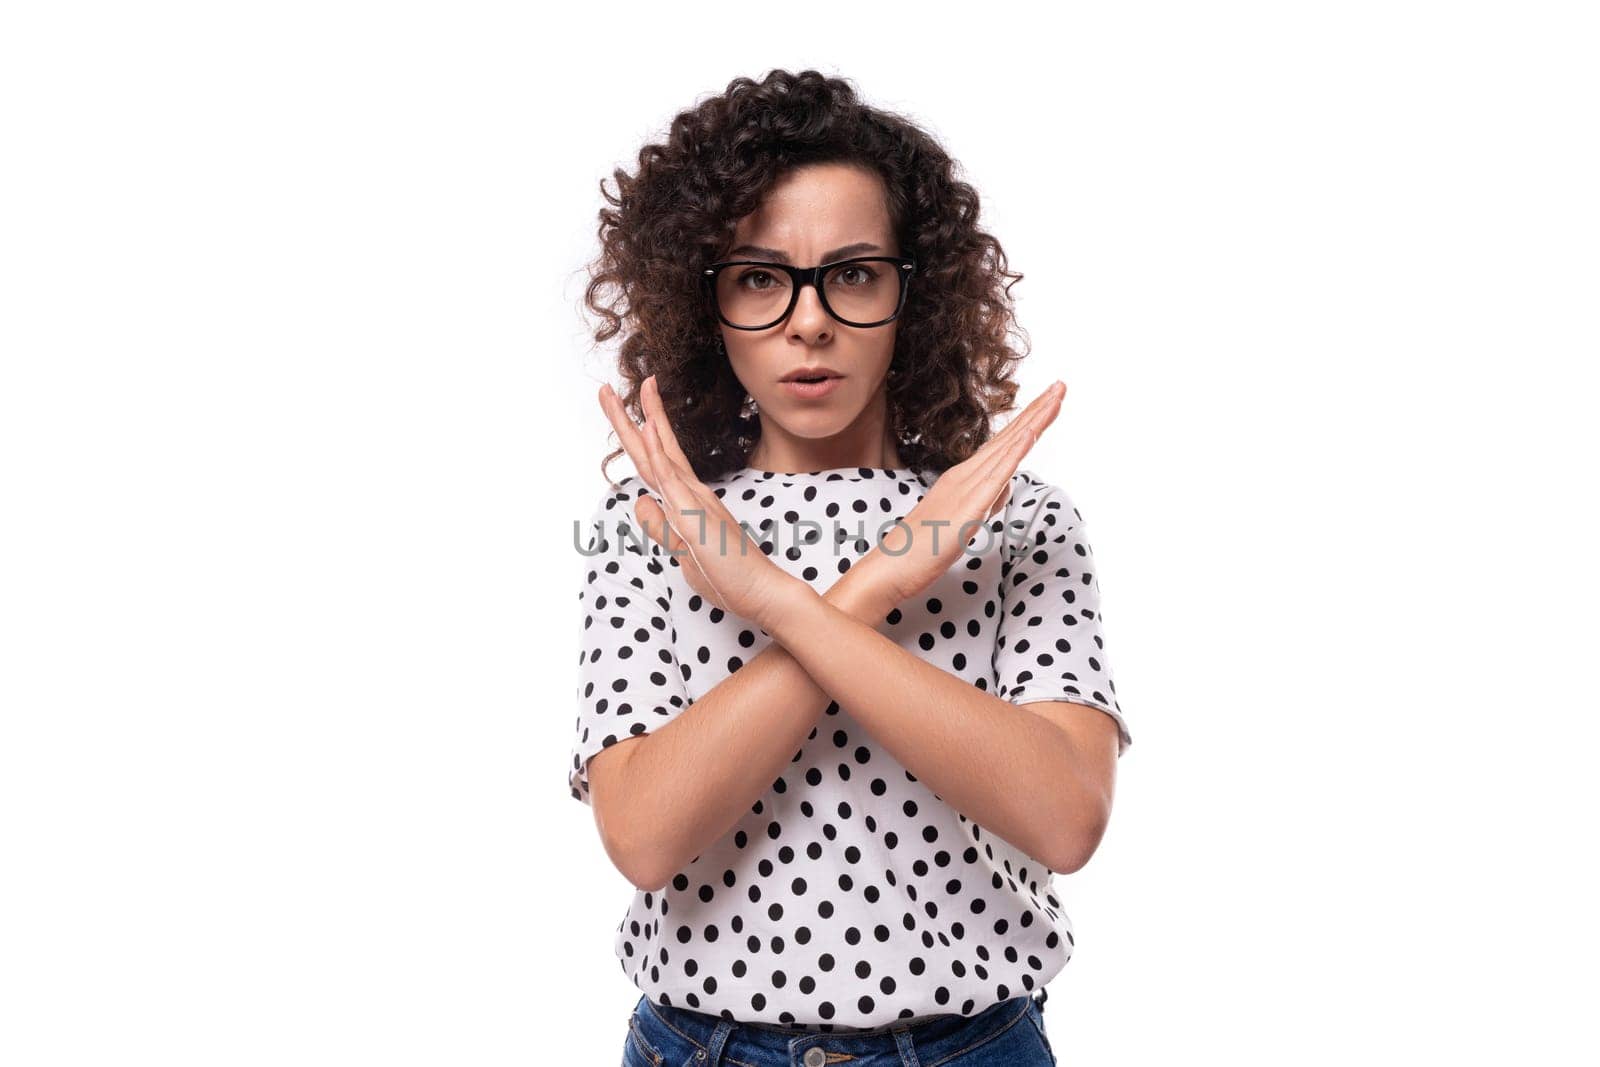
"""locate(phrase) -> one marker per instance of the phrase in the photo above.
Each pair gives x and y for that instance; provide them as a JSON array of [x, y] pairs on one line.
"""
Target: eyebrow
[[777, 256]]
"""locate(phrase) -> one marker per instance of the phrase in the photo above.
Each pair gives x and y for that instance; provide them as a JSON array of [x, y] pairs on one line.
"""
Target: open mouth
[[815, 386]]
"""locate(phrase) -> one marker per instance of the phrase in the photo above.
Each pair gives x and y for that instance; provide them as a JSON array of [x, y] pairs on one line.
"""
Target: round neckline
[[758, 473]]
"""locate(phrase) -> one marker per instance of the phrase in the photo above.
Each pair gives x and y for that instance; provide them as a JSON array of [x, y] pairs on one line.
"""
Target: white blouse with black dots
[[850, 895]]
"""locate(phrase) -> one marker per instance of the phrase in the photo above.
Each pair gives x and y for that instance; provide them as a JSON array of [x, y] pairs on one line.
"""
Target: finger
[[1042, 416], [989, 471], [1034, 411], [658, 412], [1000, 463], [1026, 417], [670, 463], [685, 494], [654, 520], [657, 459], [676, 492], [994, 482], [650, 516], [996, 507], [627, 434], [1022, 417], [1000, 501]]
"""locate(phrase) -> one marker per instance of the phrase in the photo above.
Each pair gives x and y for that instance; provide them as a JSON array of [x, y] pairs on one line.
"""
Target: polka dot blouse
[[850, 895]]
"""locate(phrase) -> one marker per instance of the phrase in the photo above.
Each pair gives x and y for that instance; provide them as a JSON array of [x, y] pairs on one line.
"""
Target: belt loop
[[719, 1038], [905, 1046], [1043, 993]]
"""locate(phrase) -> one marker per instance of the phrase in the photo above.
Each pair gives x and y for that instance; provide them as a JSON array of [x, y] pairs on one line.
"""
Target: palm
[[655, 524], [964, 497], [938, 524], [717, 558]]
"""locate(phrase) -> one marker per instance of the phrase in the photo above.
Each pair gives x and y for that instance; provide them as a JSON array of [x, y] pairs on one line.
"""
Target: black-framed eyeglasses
[[752, 294]]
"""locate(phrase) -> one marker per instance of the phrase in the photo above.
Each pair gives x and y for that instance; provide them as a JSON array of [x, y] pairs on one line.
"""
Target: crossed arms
[[1040, 775]]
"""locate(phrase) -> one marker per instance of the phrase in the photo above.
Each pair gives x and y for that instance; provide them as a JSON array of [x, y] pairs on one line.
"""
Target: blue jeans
[[1008, 1034]]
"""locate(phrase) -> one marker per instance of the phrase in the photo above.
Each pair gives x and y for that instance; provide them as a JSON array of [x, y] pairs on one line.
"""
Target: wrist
[[863, 591], [788, 597]]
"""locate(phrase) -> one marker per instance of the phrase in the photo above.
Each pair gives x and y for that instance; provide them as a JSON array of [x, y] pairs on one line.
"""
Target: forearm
[[690, 781], [1011, 771]]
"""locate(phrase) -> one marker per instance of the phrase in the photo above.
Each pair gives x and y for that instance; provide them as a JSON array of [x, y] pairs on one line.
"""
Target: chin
[[814, 427]]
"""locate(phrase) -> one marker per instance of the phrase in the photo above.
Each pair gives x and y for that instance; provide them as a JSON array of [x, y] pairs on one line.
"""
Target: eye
[[747, 279], [863, 275]]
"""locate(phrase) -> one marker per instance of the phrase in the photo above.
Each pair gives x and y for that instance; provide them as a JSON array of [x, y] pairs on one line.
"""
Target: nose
[[809, 320]]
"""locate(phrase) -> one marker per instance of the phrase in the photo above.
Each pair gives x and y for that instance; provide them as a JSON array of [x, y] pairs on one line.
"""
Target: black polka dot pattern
[[850, 895]]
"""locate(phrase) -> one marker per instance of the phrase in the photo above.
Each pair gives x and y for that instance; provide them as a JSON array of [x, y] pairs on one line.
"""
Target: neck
[[867, 443]]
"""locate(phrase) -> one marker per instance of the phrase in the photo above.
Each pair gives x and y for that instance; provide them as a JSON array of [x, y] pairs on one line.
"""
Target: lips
[[815, 389], [811, 374]]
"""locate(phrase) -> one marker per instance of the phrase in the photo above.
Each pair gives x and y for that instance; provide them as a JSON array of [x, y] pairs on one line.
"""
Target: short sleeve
[[629, 680], [1050, 644]]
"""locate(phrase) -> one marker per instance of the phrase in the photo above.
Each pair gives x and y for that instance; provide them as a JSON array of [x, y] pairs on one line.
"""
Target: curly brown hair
[[678, 213]]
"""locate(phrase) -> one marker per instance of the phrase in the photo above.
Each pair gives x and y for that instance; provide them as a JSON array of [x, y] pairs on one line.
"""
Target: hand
[[971, 492], [718, 560]]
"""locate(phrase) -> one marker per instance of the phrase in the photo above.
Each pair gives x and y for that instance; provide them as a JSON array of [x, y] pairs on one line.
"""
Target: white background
[[297, 411]]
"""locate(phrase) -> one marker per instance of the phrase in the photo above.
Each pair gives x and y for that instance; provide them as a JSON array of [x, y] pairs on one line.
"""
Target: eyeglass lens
[[753, 295]]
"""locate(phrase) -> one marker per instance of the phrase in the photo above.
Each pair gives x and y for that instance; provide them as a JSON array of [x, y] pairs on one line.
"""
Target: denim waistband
[[935, 1037]]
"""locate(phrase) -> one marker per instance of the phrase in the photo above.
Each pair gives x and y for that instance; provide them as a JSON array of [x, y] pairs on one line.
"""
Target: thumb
[[653, 519], [1000, 502], [995, 508]]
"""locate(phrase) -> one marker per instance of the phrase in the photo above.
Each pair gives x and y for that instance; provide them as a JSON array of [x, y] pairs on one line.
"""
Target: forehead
[[819, 206]]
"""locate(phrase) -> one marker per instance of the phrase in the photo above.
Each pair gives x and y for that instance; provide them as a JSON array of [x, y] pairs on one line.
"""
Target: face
[[818, 214]]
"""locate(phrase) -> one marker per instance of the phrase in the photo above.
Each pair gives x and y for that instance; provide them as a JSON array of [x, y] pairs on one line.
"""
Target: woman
[[844, 704]]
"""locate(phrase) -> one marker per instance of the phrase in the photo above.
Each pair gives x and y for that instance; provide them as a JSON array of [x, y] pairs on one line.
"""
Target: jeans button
[[815, 1057]]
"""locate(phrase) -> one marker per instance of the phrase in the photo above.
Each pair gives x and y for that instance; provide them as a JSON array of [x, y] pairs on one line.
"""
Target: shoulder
[[616, 501], [1042, 522], [1036, 500], [612, 525]]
